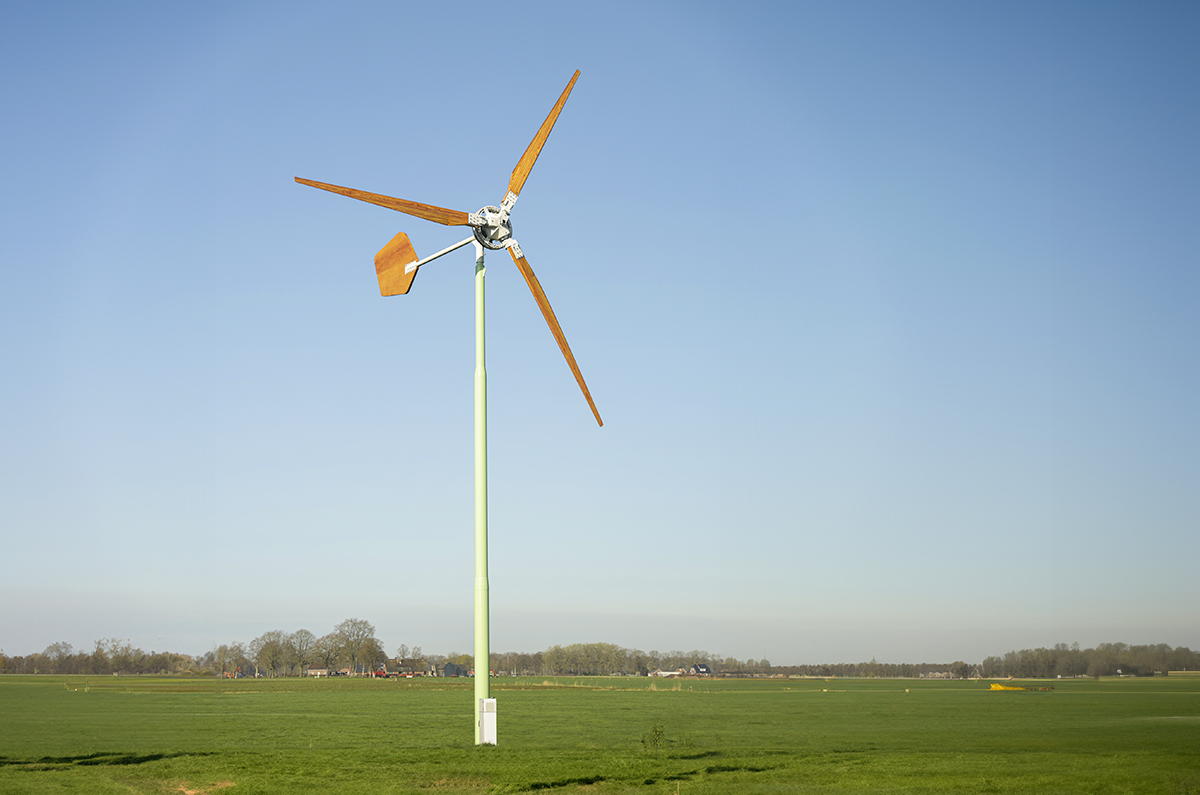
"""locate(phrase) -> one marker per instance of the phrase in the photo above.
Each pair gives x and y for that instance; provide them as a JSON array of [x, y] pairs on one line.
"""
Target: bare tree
[[327, 650], [59, 653], [121, 654], [221, 659], [301, 649], [373, 657], [254, 651], [355, 633], [237, 657], [98, 661], [268, 651]]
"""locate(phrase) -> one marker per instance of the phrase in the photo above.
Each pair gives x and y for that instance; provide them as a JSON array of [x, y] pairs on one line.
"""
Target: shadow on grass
[[861, 749], [700, 755], [98, 758], [736, 769], [688, 775], [581, 781]]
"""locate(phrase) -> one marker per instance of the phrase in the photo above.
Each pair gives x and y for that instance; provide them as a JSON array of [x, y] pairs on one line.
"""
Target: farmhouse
[[450, 669], [316, 670], [410, 667], [417, 668], [700, 669]]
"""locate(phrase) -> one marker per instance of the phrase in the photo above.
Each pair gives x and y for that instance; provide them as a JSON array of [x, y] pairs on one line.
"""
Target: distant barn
[[450, 669]]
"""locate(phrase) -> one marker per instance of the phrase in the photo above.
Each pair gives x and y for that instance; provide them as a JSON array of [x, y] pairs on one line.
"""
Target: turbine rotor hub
[[495, 232]]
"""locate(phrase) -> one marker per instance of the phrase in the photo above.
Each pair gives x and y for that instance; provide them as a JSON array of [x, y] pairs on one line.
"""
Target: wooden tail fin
[[390, 265]]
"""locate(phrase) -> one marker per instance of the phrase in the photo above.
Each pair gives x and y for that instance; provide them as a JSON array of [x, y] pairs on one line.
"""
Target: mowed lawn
[[597, 735]]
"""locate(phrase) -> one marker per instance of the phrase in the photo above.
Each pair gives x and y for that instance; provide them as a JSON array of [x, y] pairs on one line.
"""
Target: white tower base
[[487, 720]]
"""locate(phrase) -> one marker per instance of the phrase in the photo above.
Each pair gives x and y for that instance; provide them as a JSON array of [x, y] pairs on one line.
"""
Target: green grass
[[599, 735]]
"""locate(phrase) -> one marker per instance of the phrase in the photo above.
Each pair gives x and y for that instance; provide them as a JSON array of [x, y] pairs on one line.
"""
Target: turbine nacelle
[[494, 230]]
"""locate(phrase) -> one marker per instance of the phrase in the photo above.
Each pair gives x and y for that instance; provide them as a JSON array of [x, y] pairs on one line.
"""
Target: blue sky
[[890, 311]]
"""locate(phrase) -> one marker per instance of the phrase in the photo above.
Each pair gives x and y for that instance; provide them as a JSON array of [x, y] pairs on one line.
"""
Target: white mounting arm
[[412, 266]]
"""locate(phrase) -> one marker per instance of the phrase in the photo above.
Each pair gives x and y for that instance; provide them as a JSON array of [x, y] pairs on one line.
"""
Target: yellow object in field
[[998, 686]]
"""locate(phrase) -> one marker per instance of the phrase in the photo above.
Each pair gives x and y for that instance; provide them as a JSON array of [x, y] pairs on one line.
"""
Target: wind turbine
[[396, 266]]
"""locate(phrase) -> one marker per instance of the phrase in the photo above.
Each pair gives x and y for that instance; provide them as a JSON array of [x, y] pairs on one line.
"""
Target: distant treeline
[[1107, 659], [877, 670], [110, 656], [352, 646], [604, 659]]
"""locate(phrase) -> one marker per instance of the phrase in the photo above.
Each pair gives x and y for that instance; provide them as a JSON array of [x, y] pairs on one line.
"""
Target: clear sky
[[892, 311]]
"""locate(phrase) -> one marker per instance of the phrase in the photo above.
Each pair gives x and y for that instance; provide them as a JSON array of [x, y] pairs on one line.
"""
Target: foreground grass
[[134, 735]]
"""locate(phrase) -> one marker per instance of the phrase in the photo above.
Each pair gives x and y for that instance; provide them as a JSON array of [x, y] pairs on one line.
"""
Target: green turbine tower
[[396, 266]]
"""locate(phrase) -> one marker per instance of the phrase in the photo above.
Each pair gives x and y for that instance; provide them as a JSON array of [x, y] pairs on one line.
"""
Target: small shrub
[[655, 739]]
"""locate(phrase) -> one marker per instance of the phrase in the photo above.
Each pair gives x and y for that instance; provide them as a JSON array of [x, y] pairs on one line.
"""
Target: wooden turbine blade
[[389, 266], [525, 164], [543, 303], [427, 211]]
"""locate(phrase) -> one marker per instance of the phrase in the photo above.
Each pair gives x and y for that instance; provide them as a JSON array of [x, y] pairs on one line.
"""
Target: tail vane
[[390, 265]]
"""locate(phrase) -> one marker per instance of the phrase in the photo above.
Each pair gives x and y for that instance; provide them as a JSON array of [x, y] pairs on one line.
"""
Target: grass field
[[597, 735]]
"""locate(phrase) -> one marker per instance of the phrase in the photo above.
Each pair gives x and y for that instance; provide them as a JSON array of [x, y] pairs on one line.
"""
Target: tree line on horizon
[[1107, 659], [353, 646], [352, 643]]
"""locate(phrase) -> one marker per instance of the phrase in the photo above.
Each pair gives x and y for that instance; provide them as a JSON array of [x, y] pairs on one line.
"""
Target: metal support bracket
[[412, 266]]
